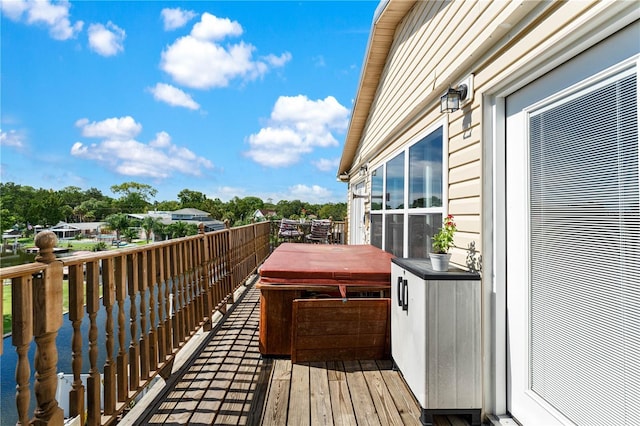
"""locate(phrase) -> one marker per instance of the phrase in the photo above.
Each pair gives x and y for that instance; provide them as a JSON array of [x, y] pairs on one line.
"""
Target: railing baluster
[[47, 302], [180, 294], [175, 330], [143, 343], [21, 336], [195, 294], [108, 300], [152, 280], [206, 281], [93, 381], [134, 361], [196, 318], [162, 276], [76, 314], [168, 331], [122, 365], [186, 288]]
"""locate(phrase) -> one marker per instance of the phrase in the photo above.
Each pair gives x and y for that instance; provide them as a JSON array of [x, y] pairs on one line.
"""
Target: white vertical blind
[[585, 254]]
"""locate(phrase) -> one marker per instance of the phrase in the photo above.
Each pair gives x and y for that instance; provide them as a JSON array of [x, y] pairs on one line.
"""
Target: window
[[408, 197], [395, 183]]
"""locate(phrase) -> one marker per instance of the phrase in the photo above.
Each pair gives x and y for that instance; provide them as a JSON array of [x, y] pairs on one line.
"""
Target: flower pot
[[440, 261]]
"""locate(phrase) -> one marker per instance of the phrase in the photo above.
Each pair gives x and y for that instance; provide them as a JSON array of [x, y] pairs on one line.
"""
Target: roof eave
[[387, 16]]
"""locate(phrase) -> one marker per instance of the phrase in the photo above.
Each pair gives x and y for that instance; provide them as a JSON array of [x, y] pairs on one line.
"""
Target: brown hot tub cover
[[327, 264]]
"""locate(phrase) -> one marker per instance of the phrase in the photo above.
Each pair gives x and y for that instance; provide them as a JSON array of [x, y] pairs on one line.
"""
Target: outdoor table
[[322, 276]]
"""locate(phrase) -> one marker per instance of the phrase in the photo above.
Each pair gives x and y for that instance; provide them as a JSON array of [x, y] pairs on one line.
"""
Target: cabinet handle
[[399, 291], [405, 296]]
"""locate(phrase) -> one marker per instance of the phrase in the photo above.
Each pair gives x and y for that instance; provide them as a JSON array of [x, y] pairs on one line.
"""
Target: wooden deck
[[227, 382]]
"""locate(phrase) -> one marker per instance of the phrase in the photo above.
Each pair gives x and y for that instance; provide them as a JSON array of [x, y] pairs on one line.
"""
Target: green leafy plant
[[444, 238]]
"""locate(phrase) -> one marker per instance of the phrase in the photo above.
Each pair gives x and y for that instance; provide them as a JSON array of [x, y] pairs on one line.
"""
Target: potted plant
[[440, 245]]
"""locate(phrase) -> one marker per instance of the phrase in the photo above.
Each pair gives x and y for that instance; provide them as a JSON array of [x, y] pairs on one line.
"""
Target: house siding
[[437, 44]]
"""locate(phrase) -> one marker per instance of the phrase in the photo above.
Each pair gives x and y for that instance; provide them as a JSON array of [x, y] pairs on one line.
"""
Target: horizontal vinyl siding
[[435, 45], [557, 23], [424, 53], [426, 46]]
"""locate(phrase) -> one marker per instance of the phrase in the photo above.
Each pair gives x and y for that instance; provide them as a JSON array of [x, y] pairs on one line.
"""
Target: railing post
[[206, 277], [47, 303]]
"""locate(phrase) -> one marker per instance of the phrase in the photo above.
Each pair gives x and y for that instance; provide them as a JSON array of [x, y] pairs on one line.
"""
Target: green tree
[[192, 199], [216, 208], [289, 209], [148, 224], [181, 229], [336, 211], [160, 231], [117, 223], [130, 234], [7, 220], [134, 197], [167, 206]]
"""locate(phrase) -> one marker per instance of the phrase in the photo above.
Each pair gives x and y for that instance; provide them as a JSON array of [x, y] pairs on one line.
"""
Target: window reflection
[[395, 182], [394, 234], [376, 230], [376, 189], [425, 172], [421, 230]]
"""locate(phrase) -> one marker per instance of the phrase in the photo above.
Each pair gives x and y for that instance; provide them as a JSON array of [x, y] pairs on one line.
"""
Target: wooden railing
[[154, 298]]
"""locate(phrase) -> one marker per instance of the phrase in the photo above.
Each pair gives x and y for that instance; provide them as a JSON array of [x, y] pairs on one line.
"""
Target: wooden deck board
[[228, 382], [320, 396]]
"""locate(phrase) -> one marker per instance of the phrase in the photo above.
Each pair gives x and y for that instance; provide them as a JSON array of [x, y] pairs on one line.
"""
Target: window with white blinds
[[585, 253]]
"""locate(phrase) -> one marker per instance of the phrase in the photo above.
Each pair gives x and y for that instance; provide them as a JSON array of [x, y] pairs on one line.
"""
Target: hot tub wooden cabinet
[[333, 284]]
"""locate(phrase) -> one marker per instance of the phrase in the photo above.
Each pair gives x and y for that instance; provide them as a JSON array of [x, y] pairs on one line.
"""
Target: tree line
[[23, 207]]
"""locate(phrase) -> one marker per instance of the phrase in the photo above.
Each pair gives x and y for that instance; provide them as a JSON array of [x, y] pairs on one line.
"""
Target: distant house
[[263, 214], [538, 163], [64, 230], [188, 215]]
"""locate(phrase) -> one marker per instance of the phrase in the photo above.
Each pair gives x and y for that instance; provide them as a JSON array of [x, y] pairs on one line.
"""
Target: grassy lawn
[[6, 304]]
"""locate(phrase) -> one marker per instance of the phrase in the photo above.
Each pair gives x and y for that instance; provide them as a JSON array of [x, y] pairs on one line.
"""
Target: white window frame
[[406, 211]]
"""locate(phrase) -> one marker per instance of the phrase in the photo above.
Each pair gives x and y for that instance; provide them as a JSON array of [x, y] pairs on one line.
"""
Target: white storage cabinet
[[436, 337]]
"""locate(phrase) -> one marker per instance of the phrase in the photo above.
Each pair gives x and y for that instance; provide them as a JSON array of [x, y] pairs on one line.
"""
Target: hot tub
[[314, 273]]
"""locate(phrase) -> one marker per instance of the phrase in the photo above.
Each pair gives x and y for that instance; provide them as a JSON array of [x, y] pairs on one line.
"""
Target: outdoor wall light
[[363, 170], [450, 101]]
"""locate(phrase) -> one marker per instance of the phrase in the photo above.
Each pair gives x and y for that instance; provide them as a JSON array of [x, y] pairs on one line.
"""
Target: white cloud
[[297, 126], [176, 18], [326, 165], [106, 40], [54, 16], [173, 96], [162, 140], [112, 128], [12, 138], [211, 27], [313, 194], [200, 61], [158, 159], [227, 193]]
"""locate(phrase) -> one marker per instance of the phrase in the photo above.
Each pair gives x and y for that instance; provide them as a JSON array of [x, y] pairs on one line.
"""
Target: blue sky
[[229, 98]]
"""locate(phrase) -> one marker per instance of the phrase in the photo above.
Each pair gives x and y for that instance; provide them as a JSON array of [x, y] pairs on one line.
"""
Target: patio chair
[[320, 230], [289, 230]]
